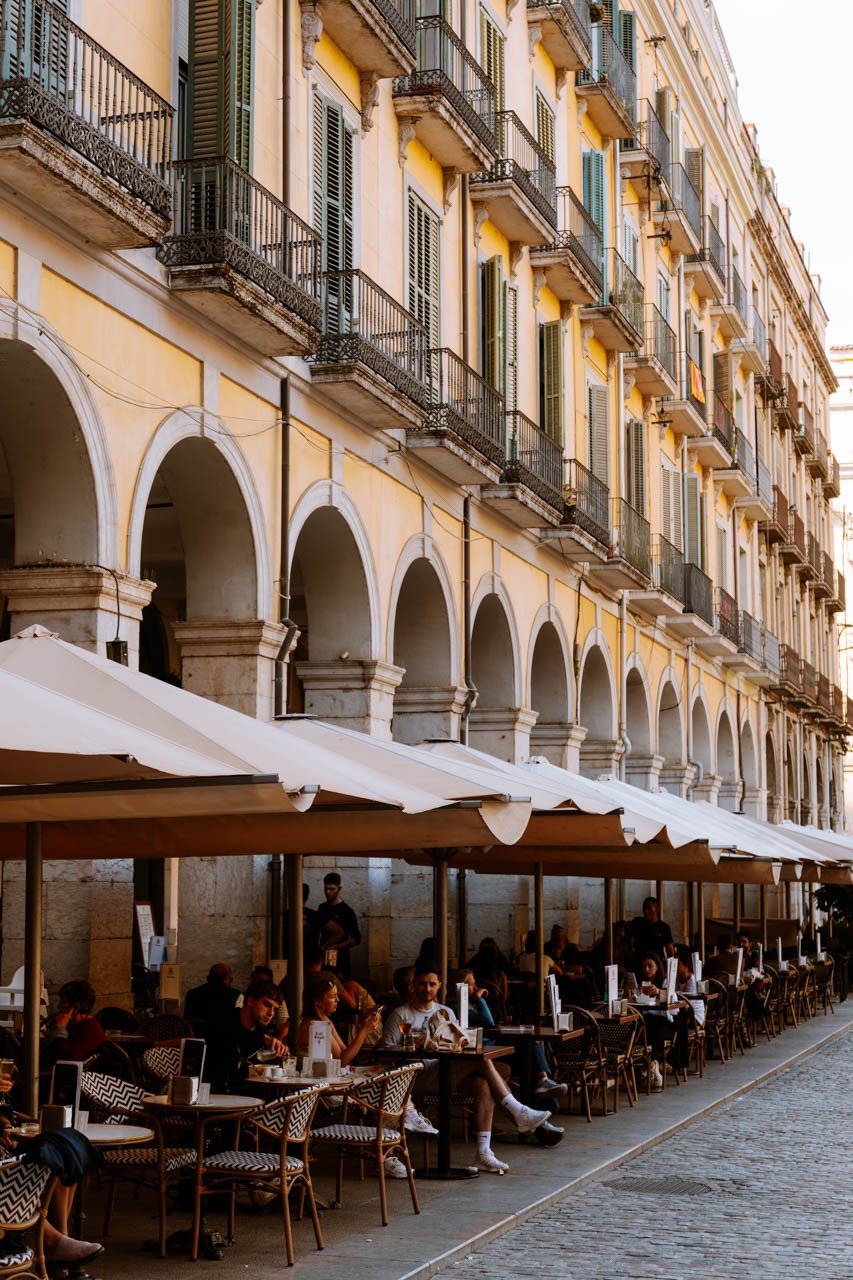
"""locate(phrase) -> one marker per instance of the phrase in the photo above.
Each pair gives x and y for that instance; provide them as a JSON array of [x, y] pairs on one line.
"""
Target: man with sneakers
[[483, 1082]]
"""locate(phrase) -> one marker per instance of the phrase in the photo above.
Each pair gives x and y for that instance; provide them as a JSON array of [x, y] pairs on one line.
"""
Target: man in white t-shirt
[[483, 1081]]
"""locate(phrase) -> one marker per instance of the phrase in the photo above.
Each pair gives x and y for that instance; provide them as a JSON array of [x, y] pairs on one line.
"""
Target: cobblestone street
[[761, 1188]]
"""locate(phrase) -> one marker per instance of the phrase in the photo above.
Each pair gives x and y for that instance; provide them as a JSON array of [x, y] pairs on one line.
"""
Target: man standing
[[483, 1081], [650, 933], [235, 1038], [337, 924], [213, 999]]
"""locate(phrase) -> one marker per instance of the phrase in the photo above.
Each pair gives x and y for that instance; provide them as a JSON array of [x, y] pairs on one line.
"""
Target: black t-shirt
[[209, 1002], [229, 1047], [345, 918], [650, 935]]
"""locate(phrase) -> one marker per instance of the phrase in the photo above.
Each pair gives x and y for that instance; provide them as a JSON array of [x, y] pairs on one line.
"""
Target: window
[[664, 296], [492, 57], [694, 164], [631, 247], [220, 79], [34, 45], [334, 200], [551, 379], [499, 314], [593, 188], [635, 460], [598, 432], [694, 523], [545, 126], [671, 524], [722, 557], [424, 273]]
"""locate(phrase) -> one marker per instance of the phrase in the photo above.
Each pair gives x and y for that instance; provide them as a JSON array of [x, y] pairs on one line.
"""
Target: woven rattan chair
[[695, 1040], [165, 1026], [155, 1165], [384, 1097], [761, 1005], [111, 1060], [112, 1018], [808, 994], [288, 1121], [717, 1018], [617, 1041], [580, 1063], [641, 1054], [160, 1064], [824, 973], [25, 1191]]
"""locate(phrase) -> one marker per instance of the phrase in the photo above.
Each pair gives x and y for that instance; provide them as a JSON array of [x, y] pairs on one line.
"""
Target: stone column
[[555, 742], [708, 788], [755, 802], [231, 661], [502, 731], [677, 779], [600, 756], [644, 771], [421, 714], [577, 734], [83, 604], [729, 797], [358, 695]]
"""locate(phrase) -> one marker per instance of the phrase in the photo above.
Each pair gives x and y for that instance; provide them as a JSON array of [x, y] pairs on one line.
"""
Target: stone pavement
[[807, 1126]]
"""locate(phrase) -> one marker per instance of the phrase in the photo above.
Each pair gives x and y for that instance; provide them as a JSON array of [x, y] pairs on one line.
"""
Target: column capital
[[357, 694], [233, 636]]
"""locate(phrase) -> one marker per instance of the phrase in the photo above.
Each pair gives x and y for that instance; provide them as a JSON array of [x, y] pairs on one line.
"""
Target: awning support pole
[[539, 927], [295, 945], [735, 907], [701, 914], [32, 967], [608, 919], [440, 859], [762, 898]]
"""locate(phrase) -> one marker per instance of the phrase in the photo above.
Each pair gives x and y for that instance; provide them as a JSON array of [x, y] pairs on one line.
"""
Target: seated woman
[[319, 1002], [686, 984], [651, 978]]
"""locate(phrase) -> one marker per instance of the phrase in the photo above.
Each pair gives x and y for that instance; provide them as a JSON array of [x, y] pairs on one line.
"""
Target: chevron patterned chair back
[[289, 1117], [107, 1095], [165, 1026], [25, 1190], [162, 1062]]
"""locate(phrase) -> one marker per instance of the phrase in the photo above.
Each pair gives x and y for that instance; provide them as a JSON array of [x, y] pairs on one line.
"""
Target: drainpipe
[[697, 764], [470, 687], [285, 103], [624, 740]]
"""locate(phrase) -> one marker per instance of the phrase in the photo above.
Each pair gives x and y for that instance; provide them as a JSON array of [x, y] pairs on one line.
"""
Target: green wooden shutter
[[722, 377], [510, 387], [692, 520], [627, 37], [593, 188], [635, 458], [597, 433], [545, 126], [551, 379], [694, 165], [333, 177], [493, 322], [221, 56], [492, 57], [17, 39], [240, 48], [423, 267]]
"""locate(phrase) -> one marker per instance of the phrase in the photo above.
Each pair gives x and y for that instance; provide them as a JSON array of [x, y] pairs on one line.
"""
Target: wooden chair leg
[[196, 1220], [111, 1199], [410, 1173], [288, 1226], [162, 1190], [312, 1206], [383, 1191]]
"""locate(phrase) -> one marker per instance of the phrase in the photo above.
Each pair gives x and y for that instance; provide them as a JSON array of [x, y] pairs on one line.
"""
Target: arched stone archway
[[708, 786], [728, 768], [428, 702], [643, 764], [549, 696], [806, 800], [497, 724], [754, 795], [675, 775], [338, 675], [772, 780], [597, 713]]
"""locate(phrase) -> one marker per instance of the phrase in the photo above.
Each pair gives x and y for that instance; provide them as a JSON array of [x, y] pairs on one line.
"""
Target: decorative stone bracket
[[312, 30]]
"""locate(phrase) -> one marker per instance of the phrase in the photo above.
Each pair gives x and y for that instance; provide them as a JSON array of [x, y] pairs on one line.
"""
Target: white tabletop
[[116, 1135], [216, 1102]]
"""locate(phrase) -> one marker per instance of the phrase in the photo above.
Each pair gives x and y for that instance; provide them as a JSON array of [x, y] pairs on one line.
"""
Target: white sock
[[512, 1105], [484, 1142]]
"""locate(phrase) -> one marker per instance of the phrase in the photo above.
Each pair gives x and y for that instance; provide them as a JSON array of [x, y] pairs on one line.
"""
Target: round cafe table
[[102, 1136]]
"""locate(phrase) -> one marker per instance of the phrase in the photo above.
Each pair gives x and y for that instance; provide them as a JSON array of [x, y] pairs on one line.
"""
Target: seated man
[[750, 949], [482, 1081], [213, 999], [236, 1038], [263, 973], [77, 1034], [724, 960]]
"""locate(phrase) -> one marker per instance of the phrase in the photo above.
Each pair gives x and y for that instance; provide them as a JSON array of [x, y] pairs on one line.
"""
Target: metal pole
[[762, 898], [659, 896], [608, 919], [461, 915], [691, 913], [701, 913], [276, 907], [295, 952], [735, 907], [812, 909], [439, 912], [32, 967], [539, 929]]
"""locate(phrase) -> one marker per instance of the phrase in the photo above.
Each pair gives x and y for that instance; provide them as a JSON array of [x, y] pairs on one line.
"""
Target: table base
[[454, 1174]]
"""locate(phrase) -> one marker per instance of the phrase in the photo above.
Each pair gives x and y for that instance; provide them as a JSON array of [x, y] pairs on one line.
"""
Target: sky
[[795, 81]]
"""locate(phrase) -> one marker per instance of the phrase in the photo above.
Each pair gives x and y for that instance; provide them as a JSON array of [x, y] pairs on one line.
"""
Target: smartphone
[[7, 1067]]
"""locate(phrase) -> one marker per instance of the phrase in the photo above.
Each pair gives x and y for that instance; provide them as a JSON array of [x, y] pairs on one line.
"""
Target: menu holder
[[739, 969], [554, 998], [319, 1044], [672, 980], [779, 952], [65, 1086], [183, 1090], [193, 1053], [697, 967], [611, 983], [462, 1001]]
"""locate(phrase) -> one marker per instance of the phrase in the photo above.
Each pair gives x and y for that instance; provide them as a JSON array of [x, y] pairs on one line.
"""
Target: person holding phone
[[77, 1033], [319, 1004]]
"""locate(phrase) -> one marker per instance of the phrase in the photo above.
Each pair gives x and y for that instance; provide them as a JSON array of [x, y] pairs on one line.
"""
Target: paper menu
[[697, 966], [320, 1041], [554, 998], [611, 984], [671, 979], [462, 998], [739, 969], [779, 952]]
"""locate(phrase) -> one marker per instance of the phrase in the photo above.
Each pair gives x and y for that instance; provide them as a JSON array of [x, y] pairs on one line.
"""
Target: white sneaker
[[487, 1162], [548, 1088], [657, 1078], [417, 1123], [526, 1120], [395, 1168]]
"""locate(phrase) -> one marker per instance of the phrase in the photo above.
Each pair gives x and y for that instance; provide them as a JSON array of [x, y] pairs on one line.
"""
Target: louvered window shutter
[[17, 47], [49, 46], [240, 22], [593, 187], [722, 559], [636, 463], [545, 126], [722, 377], [692, 520], [333, 161], [628, 37], [677, 539], [674, 137], [492, 57], [597, 429], [666, 503], [510, 388], [551, 379], [493, 319], [206, 133], [694, 164], [424, 286]]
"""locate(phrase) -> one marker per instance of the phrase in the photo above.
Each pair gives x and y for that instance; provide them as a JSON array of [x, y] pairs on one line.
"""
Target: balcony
[[687, 412], [824, 698], [706, 270], [792, 549], [835, 587], [848, 713], [788, 413], [584, 534], [464, 432], [751, 351], [804, 440], [775, 527], [519, 191], [448, 101], [725, 640], [808, 681], [832, 483], [811, 567], [817, 464], [750, 654], [716, 448], [571, 260], [647, 155], [564, 28], [824, 583], [731, 313], [767, 675], [789, 682], [680, 214], [655, 368], [837, 707], [841, 591], [530, 491], [372, 358], [737, 479], [378, 36], [696, 622], [665, 596], [80, 135], [758, 504], [608, 88], [616, 320], [241, 258], [629, 555]]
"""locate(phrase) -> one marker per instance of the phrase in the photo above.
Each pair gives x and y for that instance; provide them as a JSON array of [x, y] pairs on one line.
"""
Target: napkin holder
[[56, 1116], [320, 1068], [183, 1090], [565, 1021]]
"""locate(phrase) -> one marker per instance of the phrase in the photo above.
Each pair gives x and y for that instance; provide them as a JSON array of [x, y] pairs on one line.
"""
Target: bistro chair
[[160, 1064], [641, 1054], [761, 1005], [695, 1039], [617, 1042], [110, 1059], [112, 1018], [157, 1165], [25, 1191], [580, 1063], [288, 1121], [165, 1026], [808, 994], [824, 974], [717, 1017], [384, 1097]]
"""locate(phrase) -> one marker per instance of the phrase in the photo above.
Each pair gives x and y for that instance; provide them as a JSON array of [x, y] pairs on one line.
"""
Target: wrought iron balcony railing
[[841, 590], [400, 17], [765, 485], [774, 359], [574, 14], [759, 332], [610, 69], [577, 232], [770, 654], [789, 667], [797, 532], [727, 616], [744, 456], [824, 692], [661, 342], [724, 425], [750, 636], [698, 593], [808, 681], [534, 459], [694, 388], [463, 402], [363, 324], [737, 295], [668, 567], [446, 67], [55, 75], [686, 198], [713, 250], [622, 289], [631, 537], [652, 137], [587, 502], [223, 216], [522, 160]]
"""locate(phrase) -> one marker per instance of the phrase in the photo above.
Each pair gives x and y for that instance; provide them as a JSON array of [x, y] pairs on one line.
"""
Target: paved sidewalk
[[457, 1218]]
